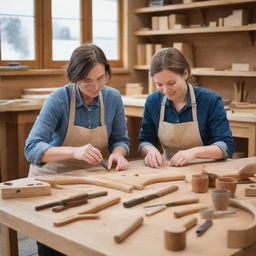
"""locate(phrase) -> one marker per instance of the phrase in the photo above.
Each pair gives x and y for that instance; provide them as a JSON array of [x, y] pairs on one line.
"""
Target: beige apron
[[76, 136], [179, 136]]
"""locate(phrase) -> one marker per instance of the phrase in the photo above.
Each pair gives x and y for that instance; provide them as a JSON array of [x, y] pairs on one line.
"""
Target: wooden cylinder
[[175, 238], [200, 183], [228, 183]]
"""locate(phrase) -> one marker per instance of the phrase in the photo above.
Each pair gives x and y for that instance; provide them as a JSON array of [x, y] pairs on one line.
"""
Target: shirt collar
[[80, 102], [188, 104]]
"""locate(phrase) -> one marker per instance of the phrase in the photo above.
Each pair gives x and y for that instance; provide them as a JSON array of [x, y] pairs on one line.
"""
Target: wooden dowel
[[182, 213], [128, 230], [191, 223]]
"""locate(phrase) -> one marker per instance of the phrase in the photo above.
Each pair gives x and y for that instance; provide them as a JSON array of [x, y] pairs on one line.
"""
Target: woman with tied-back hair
[[188, 121], [79, 121]]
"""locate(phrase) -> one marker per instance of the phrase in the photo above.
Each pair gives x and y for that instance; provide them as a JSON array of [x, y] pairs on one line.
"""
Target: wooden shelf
[[210, 72], [195, 30], [205, 4], [31, 72]]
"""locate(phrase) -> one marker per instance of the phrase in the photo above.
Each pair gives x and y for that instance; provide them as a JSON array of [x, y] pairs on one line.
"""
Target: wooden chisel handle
[[159, 193], [128, 230], [155, 210], [75, 218], [182, 213], [182, 202], [97, 194], [69, 205], [191, 223], [102, 205]]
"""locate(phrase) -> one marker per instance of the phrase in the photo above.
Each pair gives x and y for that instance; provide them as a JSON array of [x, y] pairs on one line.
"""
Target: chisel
[[159, 193], [175, 203]]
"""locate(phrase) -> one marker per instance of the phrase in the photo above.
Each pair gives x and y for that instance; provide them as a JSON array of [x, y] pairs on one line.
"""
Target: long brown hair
[[170, 59], [83, 59]]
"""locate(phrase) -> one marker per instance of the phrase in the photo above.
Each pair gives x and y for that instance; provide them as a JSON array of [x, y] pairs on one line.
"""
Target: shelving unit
[[214, 48]]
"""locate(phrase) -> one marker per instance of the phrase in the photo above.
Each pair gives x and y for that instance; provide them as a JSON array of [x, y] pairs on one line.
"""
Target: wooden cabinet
[[214, 47]]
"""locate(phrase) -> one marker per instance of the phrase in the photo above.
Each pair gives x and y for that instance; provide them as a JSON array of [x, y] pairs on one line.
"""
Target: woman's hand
[[88, 153], [118, 160], [182, 157], [153, 158]]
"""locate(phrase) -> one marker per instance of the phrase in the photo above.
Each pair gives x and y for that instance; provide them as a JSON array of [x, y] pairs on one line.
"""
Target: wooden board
[[24, 188]]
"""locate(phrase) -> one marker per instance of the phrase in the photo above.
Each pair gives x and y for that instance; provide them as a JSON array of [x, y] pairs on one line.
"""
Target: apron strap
[[162, 109], [102, 110], [193, 102], [71, 121]]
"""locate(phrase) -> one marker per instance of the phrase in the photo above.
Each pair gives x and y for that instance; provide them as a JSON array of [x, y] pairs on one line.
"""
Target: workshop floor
[[27, 246]]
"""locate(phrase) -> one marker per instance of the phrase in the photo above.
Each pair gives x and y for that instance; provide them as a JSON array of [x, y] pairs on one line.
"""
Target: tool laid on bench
[[71, 201], [24, 188], [160, 207], [159, 193]]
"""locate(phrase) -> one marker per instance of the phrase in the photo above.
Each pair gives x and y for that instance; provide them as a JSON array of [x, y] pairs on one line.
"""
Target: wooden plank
[[9, 241]]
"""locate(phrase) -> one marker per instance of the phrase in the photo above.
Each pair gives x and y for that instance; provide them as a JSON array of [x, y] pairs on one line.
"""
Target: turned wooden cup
[[220, 199], [175, 238], [227, 183], [200, 183]]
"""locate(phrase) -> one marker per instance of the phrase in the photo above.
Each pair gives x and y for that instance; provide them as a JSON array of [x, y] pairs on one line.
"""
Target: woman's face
[[171, 84], [95, 80]]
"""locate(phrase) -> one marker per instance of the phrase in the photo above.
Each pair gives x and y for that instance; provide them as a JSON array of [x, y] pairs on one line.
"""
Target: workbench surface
[[95, 237]]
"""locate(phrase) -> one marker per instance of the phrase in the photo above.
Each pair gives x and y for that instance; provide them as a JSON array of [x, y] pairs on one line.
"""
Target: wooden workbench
[[95, 237], [243, 125]]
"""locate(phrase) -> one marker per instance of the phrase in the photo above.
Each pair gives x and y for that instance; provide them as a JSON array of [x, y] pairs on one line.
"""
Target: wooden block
[[163, 22], [133, 88], [237, 18], [141, 54], [186, 50], [221, 22], [149, 53], [177, 19], [24, 188], [213, 24], [154, 22], [251, 191], [158, 47], [178, 26], [242, 67]]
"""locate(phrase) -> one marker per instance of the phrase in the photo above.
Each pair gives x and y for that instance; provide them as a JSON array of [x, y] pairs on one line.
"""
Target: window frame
[[43, 35]]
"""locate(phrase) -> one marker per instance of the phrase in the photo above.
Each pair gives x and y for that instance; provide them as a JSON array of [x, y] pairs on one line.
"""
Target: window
[[43, 33]]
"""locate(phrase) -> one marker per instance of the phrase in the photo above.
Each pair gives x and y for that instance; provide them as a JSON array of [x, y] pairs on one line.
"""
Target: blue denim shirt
[[212, 120], [51, 125]]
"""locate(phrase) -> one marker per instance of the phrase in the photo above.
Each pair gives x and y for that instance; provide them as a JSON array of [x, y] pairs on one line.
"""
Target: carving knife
[[159, 193], [175, 203], [102, 163]]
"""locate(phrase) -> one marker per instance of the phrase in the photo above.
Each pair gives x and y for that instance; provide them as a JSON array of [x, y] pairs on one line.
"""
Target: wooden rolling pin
[[182, 213], [128, 229], [159, 193]]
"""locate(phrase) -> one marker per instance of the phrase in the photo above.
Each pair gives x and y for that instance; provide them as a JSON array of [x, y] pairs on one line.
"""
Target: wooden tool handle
[[48, 205], [74, 198], [167, 190], [102, 205], [181, 213], [128, 230], [69, 205], [155, 210], [75, 218], [191, 223], [185, 201], [97, 194]]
